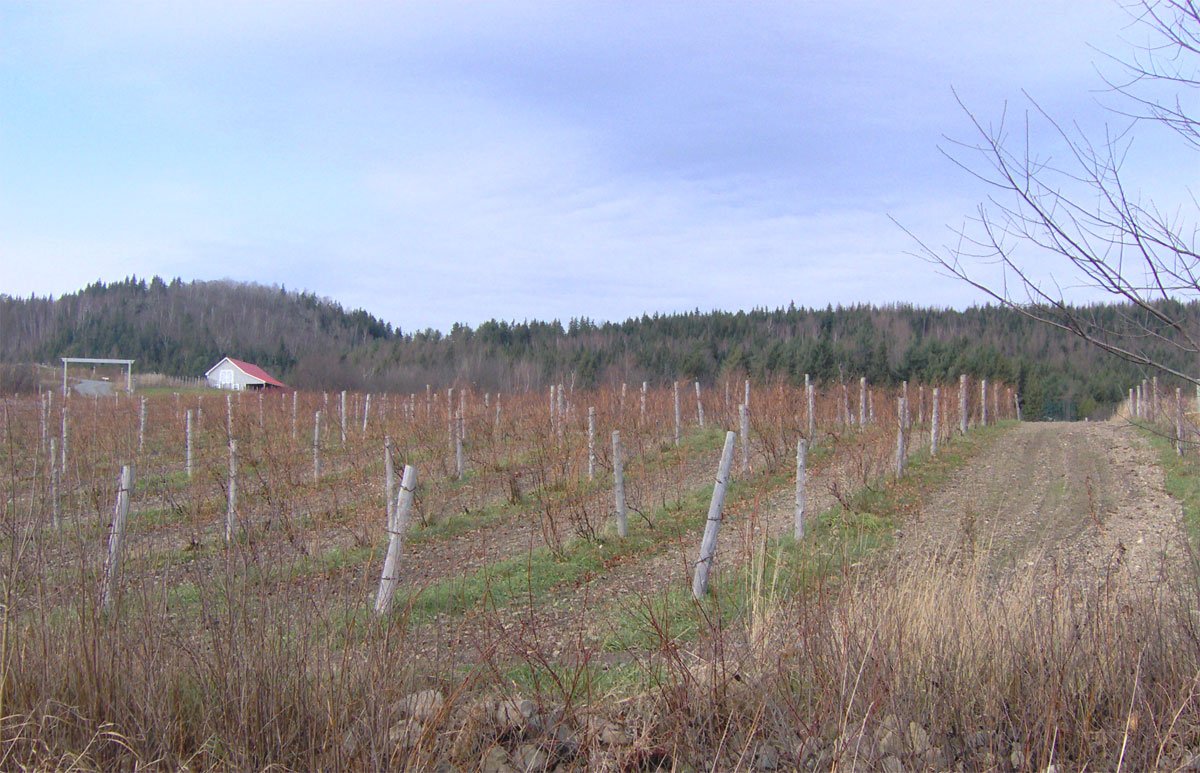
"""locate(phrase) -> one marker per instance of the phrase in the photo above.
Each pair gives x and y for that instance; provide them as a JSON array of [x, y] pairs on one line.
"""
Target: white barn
[[235, 374]]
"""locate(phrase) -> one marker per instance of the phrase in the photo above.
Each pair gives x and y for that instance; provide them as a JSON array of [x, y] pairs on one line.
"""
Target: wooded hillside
[[181, 329]]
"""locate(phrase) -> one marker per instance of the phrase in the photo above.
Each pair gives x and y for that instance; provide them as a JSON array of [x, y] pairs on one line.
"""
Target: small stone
[[607, 732], [513, 714], [422, 706], [918, 738], [889, 742], [891, 764], [406, 733], [529, 757], [1017, 758], [496, 761]]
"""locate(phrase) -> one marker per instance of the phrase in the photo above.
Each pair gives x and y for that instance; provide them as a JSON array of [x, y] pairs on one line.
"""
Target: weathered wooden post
[[261, 425], [811, 404], [142, 425], [619, 484], [366, 414], [64, 438], [228, 416], [187, 433], [624, 388], [904, 405], [462, 414], [862, 401], [983, 406], [389, 481], [678, 414], [343, 417], [396, 529], [962, 403], [295, 398], [317, 446], [708, 545], [901, 408], [562, 412], [744, 426], [935, 411], [920, 404], [699, 407], [801, 476], [746, 398], [54, 503], [116, 539], [460, 462], [642, 411], [231, 507], [1017, 403], [591, 441]]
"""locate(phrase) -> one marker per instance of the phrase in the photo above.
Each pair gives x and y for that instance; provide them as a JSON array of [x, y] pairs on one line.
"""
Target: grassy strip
[[541, 569], [1182, 480], [836, 538]]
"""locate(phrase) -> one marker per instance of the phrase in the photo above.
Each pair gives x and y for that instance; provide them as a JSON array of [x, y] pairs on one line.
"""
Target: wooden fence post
[[983, 406], [142, 425], [187, 432], [460, 462], [389, 481], [678, 413], [64, 439], [343, 417], [116, 539], [811, 401], [744, 426], [231, 507], [862, 401], [801, 476], [591, 441], [708, 545], [962, 403], [901, 408], [317, 446], [619, 484], [935, 415], [391, 563], [54, 503]]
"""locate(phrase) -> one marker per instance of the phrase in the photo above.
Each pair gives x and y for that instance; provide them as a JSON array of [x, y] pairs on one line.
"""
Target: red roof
[[257, 372]]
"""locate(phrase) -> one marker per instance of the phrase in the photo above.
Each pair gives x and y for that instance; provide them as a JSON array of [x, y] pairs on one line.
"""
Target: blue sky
[[436, 162]]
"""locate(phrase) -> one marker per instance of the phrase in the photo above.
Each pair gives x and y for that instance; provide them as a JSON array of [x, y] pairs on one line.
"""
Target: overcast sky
[[436, 162]]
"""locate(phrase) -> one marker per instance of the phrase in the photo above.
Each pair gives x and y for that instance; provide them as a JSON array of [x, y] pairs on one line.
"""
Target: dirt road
[[1082, 500]]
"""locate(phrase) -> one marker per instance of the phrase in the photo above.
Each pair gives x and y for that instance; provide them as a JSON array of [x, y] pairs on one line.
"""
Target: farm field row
[[511, 577]]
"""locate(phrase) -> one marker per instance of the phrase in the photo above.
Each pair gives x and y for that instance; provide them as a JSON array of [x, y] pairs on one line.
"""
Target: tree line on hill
[[182, 328]]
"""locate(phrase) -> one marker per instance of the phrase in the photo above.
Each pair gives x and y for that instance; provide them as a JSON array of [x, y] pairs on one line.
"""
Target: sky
[[443, 162]]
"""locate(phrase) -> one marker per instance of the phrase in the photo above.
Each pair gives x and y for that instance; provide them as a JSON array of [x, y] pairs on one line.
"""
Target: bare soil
[[1082, 500]]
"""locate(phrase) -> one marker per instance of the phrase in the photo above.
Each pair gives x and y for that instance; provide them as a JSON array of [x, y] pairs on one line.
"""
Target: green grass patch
[[1182, 480], [834, 539]]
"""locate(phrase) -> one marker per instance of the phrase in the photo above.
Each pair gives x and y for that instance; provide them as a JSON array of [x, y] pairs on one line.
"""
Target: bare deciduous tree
[[1081, 215]]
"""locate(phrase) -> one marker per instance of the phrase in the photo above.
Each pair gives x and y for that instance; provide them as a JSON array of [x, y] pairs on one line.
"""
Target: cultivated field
[[1018, 600]]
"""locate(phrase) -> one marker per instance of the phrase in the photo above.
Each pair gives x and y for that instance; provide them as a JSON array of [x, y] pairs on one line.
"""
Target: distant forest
[[182, 329]]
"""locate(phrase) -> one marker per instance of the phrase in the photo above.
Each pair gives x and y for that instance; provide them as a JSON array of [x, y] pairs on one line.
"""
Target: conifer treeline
[[181, 329]]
